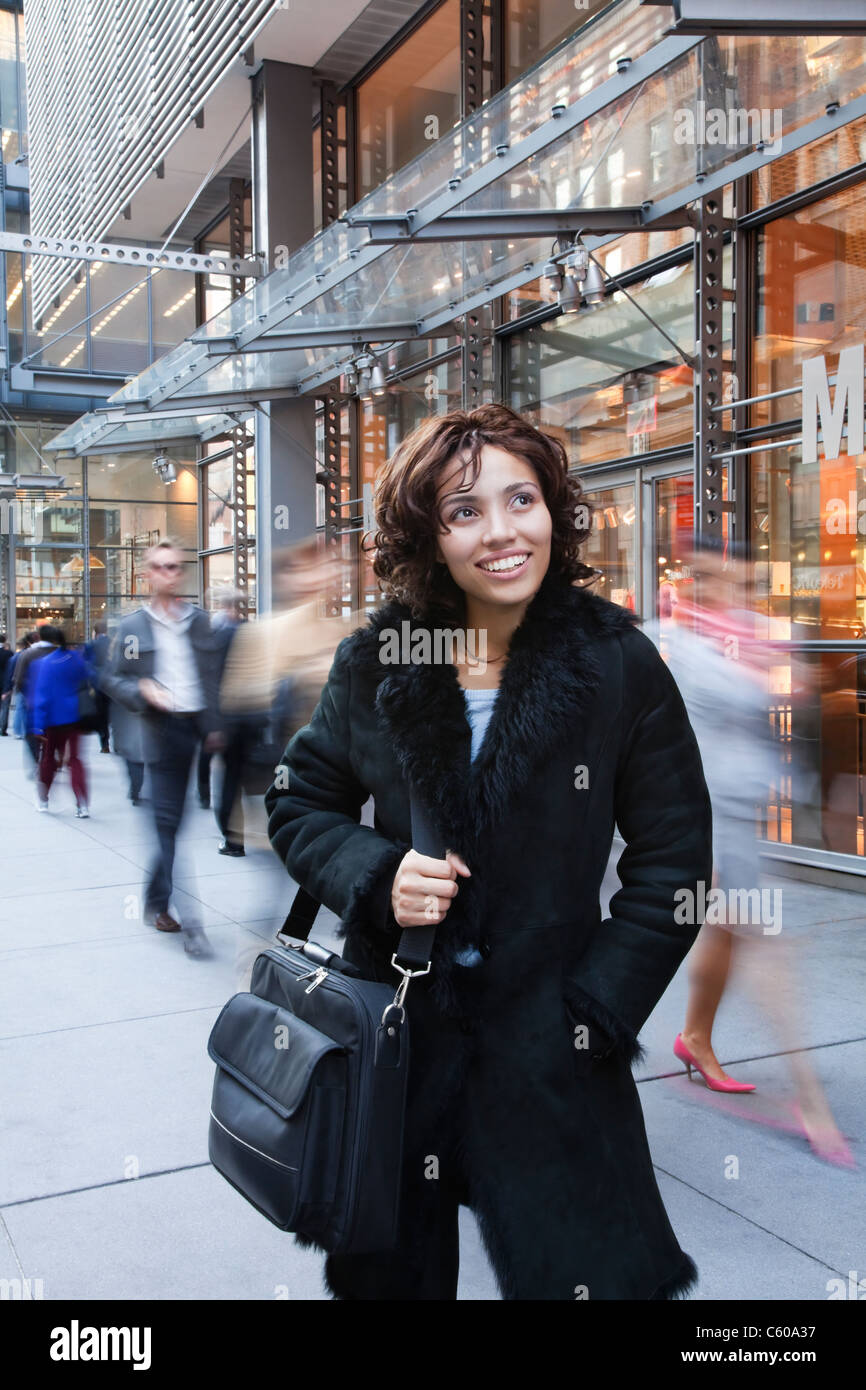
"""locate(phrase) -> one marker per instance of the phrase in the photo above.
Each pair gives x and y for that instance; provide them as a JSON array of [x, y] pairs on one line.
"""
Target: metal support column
[[472, 67], [282, 196], [330, 171], [472, 53], [241, 538], [331, 477], [237, 192], [711, 370]]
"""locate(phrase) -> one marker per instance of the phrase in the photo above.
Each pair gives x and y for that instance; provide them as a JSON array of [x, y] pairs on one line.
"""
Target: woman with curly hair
[[529, 716]]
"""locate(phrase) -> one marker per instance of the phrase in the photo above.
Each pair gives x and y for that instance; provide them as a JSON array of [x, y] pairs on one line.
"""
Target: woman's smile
[[505, 566]]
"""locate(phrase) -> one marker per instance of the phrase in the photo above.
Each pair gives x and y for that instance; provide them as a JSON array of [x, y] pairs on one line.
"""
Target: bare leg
[[709, 967], [777, 991]]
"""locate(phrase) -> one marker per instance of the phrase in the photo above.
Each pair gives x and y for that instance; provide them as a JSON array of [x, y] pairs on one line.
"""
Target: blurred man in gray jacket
[[164, 665]]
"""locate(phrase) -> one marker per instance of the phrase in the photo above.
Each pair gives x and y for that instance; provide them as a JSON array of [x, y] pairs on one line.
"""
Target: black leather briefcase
[[309, 1094]]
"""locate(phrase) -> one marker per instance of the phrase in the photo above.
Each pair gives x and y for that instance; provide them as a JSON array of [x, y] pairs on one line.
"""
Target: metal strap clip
[[403, 986]]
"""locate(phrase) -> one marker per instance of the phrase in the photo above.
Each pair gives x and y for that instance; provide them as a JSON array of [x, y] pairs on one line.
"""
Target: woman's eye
[[524, 496], [456, 513]]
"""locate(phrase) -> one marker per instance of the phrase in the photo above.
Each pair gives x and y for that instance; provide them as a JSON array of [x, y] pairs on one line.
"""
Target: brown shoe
[[163, 922]]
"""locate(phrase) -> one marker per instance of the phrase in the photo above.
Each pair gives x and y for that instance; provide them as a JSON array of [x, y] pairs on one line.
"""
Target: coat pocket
[[590, 1046]]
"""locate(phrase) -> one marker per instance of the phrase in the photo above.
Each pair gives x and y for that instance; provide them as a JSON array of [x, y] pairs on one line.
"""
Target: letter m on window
[[818, 410]]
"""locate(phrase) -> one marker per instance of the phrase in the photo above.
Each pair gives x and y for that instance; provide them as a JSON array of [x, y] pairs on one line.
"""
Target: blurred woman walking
[[57, 682]]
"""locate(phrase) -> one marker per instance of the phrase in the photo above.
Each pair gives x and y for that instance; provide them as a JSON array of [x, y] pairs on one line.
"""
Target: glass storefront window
[[59, 337], [612, 545], [821, 159], [15, 304], [40, 520], [216, 288], [534, 27], [811, 295], [128, 476], [411, 100], [604, 380], [136, 525], [173, 299], [12, 117], [66, 611], [118, 324], [219, 503], [808, 532], [672, 540]]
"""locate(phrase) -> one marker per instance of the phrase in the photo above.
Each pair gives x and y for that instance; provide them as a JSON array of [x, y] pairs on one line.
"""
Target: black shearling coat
[[545, 1141]]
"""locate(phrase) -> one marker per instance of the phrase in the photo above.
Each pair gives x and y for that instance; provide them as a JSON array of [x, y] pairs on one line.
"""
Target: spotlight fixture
[[369, 376], [164, 468], [377, 379], [365, 383], [593, 285], [553, 275], [569, 295]]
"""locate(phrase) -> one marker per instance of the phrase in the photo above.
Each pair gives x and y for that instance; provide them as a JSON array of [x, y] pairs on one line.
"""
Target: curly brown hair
[[405, 562]]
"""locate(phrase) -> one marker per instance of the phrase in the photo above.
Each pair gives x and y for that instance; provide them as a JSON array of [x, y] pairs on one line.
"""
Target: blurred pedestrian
[[163, 665], [7, 657], [11, 700], [41, 642], [225, 620], [274, 673], [96, 655], [57, 681], [721, 669]]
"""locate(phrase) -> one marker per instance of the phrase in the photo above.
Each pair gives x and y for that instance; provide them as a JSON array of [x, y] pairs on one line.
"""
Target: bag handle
[[413, 954]]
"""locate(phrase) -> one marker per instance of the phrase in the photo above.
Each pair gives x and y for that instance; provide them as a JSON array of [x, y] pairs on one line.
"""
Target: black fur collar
[[549, 675]]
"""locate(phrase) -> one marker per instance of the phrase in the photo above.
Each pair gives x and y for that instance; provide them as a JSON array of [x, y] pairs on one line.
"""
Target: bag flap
[[269, 1050]]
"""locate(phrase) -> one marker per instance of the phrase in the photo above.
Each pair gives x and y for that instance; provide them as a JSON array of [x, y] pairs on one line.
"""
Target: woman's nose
[[499, 529]]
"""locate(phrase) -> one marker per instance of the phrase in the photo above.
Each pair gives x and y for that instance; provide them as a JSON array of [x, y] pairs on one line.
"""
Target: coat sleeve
[[122, 688], [314, 821], [39, 700], [662, 809]]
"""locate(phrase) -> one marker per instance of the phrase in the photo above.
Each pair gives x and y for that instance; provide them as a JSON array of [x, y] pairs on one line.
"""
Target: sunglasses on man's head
[[169, 565]]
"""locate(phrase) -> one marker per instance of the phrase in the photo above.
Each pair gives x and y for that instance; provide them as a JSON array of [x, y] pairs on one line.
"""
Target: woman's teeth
[[512, 562]]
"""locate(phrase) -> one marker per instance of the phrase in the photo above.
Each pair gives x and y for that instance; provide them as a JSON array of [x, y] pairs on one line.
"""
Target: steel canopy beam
[[291, 340], [766, 16], [394, 228], [150, 257]]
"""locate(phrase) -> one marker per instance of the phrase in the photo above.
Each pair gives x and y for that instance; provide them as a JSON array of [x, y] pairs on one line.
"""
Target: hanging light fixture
[[164, 468], [569, 295], [377, 379], [553, 275], [593, 285], [365, 381]]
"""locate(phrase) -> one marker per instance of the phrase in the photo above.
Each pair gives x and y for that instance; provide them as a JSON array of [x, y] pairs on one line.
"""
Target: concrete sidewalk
[[105, 1186]]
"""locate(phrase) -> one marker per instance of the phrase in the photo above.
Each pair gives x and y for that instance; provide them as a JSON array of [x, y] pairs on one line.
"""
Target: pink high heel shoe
[[681, 1051], [831, 1148]]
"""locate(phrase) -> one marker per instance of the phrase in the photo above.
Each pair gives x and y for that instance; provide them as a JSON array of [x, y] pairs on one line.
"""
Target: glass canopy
[[615, 118]]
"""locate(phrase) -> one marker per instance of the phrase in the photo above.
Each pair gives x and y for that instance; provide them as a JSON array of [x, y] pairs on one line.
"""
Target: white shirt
[[174, 663]]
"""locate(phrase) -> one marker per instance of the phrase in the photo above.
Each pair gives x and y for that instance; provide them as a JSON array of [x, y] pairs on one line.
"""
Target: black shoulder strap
[[416, 943]]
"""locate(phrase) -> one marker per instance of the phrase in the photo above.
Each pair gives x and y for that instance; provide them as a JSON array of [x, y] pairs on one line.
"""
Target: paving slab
[[185, 1235], [98, 982], [731, 1149], [736, 1258], [114, 1099]]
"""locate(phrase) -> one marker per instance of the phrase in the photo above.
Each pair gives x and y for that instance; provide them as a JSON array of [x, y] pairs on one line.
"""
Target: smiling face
[[497, 547]]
